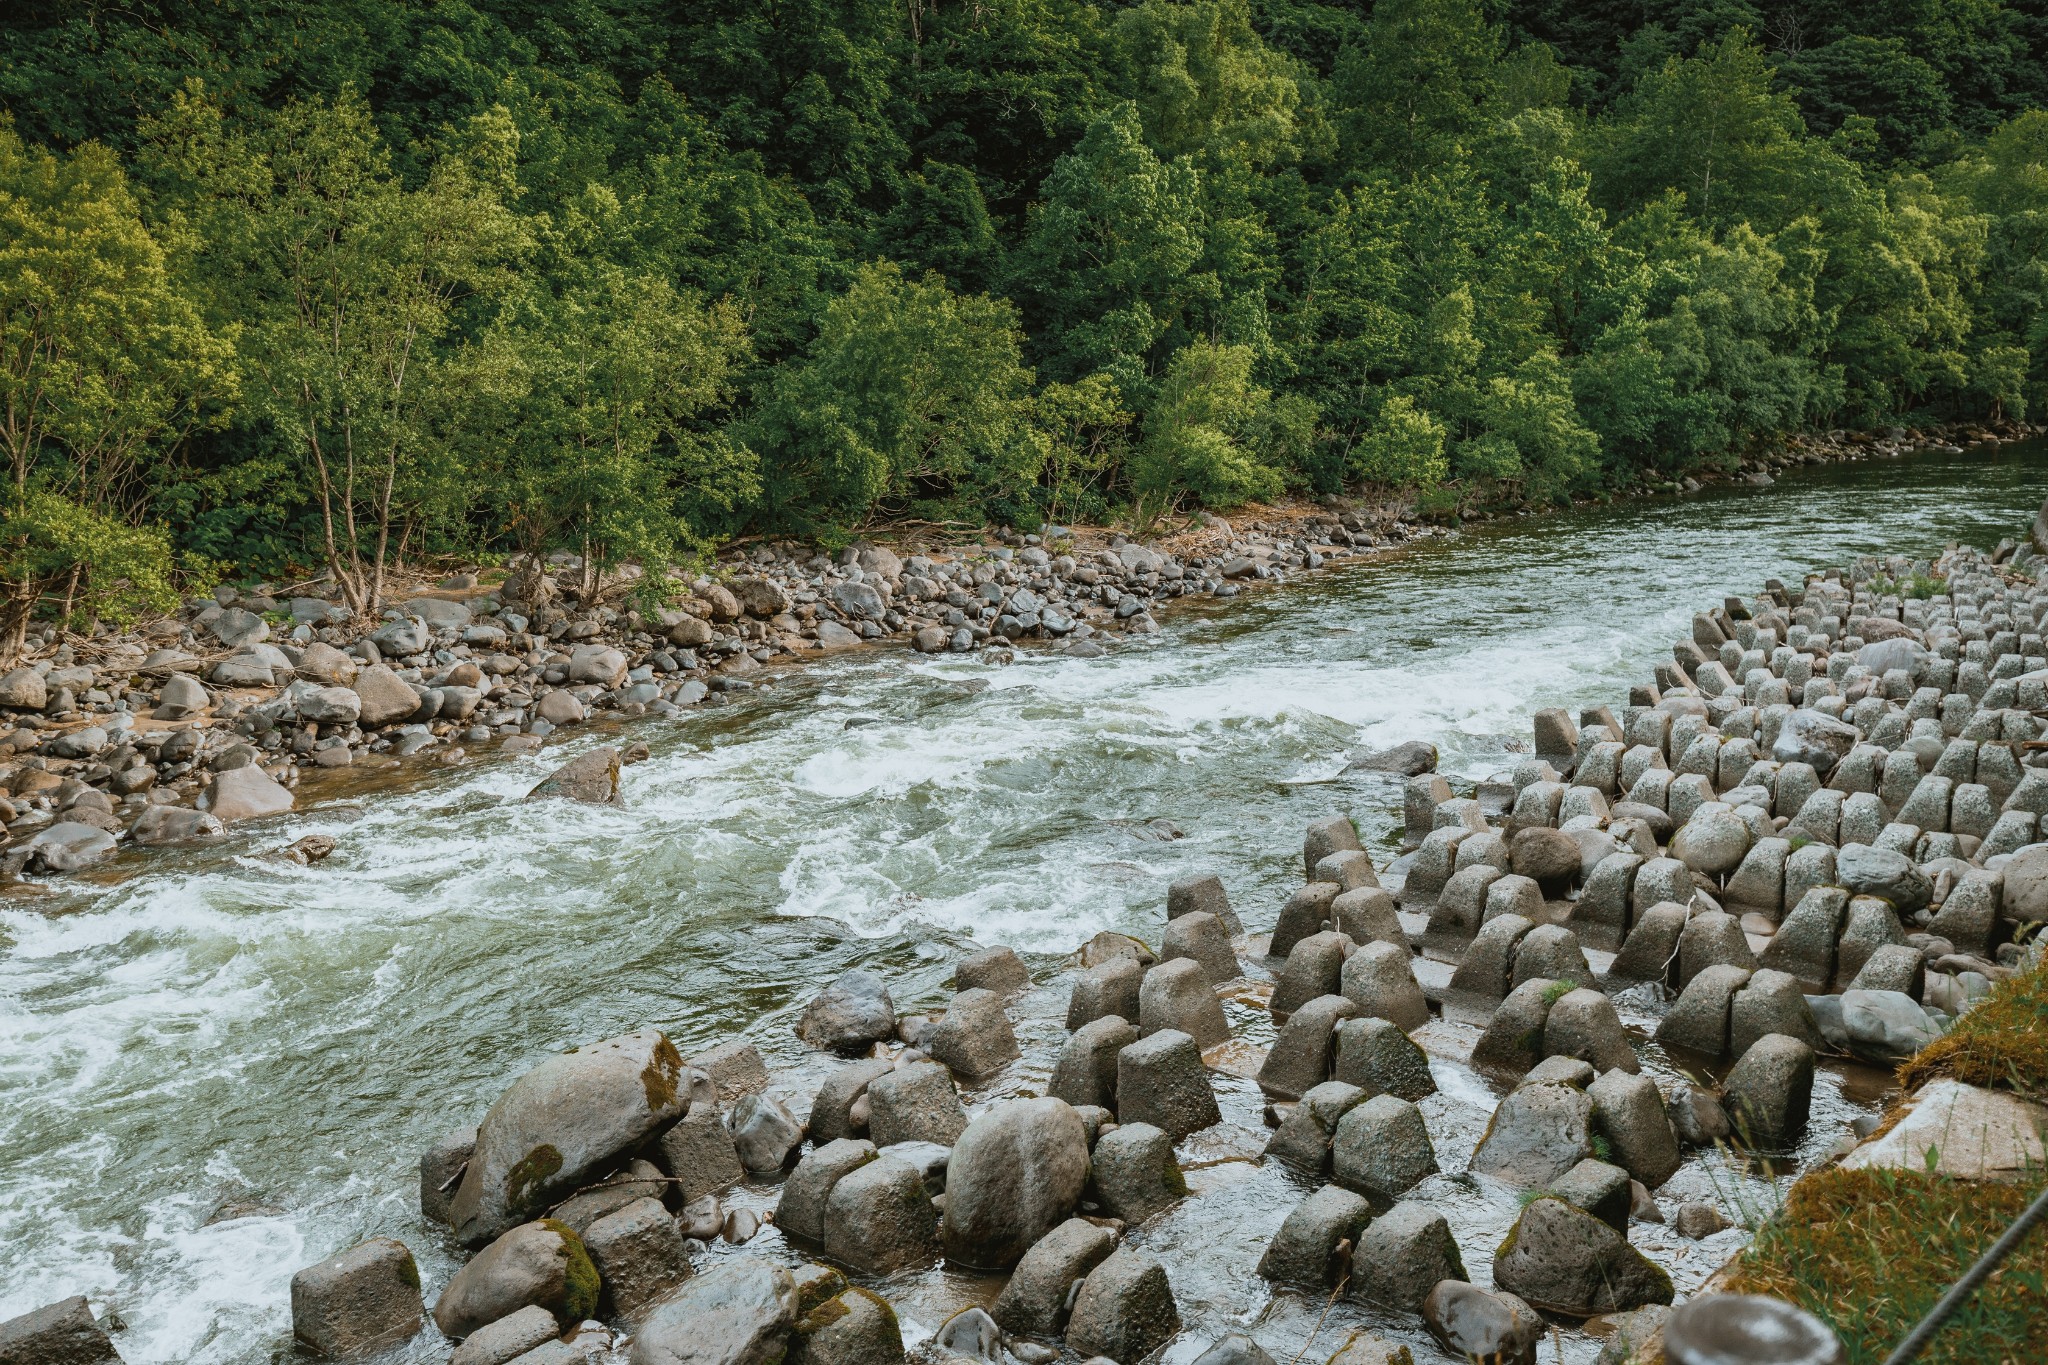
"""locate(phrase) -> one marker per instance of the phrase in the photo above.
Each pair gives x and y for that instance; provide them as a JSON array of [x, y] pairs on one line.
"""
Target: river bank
[[168, 734]]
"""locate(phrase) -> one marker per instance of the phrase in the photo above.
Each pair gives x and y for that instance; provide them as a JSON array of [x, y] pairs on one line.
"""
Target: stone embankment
[[1815, 836], [168, 735]]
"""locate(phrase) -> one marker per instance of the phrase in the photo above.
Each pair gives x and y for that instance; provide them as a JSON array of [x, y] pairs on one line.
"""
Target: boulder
[[1201, 938], [1107, 988], [1300, 1056], [1813, 738], [765, 1134], [854, 1327], [1868, 870], [1699, 1019], [1304, 1251], [337, 706], [1379, 979], [1235, 1348], [1315, 966], [1403, 1255], [23, 689], [68, 845], [1302, 1141], [639, 1255], [1125, 1310], [1331, 834], [535, 1264], [1204, 894], [879, 1218], [742, 1313], [800, 1212], [1628, 1112], [181, 699], [1564, 1259], [1601, 1189], [974, 1037], [1768, 1091], [245, 793], [699, 1153], [1382, 1149], [560, 1123], [356, 1303], [62, 1333], [1478, 1324], [1136, 1174], [384, 696], [1035, 1301], [1885, 1026], [441, 1167], [160, 825], [1379, 1058], [997, 969], [915, 1103], [1016, 1173], [831, 1115], [1086, 1071], [508, 1338], [1512, 1041], [1537, 1133], [852, 1013], [600, 665], [1160, 1080], [1583, 1024], [1176, 995], [592, 777]]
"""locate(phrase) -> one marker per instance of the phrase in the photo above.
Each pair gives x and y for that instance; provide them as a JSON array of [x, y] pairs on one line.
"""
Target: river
[[220, 1026]]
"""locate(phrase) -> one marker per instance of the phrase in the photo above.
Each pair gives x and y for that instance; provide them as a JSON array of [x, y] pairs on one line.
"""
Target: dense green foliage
[[288, 282]]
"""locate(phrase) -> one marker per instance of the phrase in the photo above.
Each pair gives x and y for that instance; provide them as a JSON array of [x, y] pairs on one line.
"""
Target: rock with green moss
[[356, 1303], [540, 1265], [569, 1119], [1565, 1260], [855, 1327], [742, 1313]]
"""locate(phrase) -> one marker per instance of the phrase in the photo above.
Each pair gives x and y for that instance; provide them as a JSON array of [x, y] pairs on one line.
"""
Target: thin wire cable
[[1916, 1340]]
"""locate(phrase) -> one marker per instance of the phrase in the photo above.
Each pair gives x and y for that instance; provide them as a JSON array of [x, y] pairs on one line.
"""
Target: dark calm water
[[224, 1026]]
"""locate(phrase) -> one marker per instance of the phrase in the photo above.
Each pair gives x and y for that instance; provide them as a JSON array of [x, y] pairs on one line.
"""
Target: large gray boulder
[[61, 1333], [1813, 738], [1136, 1173], [850, 1014], [384, 697], [1035, 1301], [1125, 1310], [160, 825], [560, 1123], [245, 793], [591, 777], [1768, 1092], [1382, 1149], [540, 1265], [23, 689], [1564, 1259], [1304, 1249], [639, 1254], [739, 1314], [1015, 1175], [1537, 1133], [1403, 1255], [356, 1303], [1869, 870], [1161, 1081], [915, 1103], [68, 845], [879, 1217], [854, 1327]]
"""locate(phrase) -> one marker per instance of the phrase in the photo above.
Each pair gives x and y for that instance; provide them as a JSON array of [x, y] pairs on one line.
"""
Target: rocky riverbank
[[170, 733], [1504, 1082]]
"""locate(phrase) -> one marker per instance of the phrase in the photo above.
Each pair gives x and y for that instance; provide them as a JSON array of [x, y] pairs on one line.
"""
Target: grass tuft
[[1870, 1252], [2001, 1041]]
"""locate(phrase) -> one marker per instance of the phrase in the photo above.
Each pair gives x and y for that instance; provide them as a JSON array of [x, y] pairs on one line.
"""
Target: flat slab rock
[[1976, 1134]]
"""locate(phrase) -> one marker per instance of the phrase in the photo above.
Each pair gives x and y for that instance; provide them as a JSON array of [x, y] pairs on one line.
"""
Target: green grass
[[2001, 1041], [1871, 1251]]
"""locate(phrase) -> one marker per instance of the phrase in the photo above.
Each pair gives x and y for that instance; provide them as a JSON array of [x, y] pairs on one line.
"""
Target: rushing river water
[[217, 1027]]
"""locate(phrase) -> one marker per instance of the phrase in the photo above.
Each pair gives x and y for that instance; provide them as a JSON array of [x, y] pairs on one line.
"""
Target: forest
[[295, 285]]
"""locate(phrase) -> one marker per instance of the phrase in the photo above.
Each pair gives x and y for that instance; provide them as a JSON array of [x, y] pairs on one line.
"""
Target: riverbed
[[220, 1028]]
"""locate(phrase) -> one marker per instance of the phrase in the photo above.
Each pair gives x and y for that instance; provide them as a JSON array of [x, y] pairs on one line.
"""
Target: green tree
[[1412, 94], [105, 367], [1208, 434]]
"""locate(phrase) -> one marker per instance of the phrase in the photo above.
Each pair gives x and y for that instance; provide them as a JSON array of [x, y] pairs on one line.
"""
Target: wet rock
[[879, 1218], [1513, 1038], [354, 1304], [1331, 834], [1086, 1071], [508, 1338], [1695, 1220], [161, 825], [1301, 1055], [1697, 1117], [1747, 1327], [1804, 946], [535, 1264], [1564, 1259], [1200, 937], [764, 1133], [800, 1212], [699, 1152], [1768, 1092], [969, 1334], [852, 1013], [1410, 758], [739, 1314], [592, 777], [1368, 1348], [1772, 1002], [1368, 915], [245, 793], [441, 1167], [1380, 981], [1314, 967], [915, 1103], [1203, 894], [975, 1038], [1302, 1141], [1304, 1249], [639, 1255], [1125, 1310], [1305, 913], [560, 1123], [1160, 1080], [68, 846], [1559, 1071], [1628, 1111], [1034, 1302], [1382, 1149], [832, 1107], [1136, 1173], [1712, 938], [1650, 946], [1104, 989], [1601, 1189], [1016, 1173], [1402, 1255], [384, 698], [1234, 1348], [1478, 1324], [1699, 1019], [64, 1333], [855, 1327], [1176, 995], [1537, 1133], [1813, 738], [1583, 1024], [1377, 1057], [997, 969], [1885, 873], [1885, 1026]]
